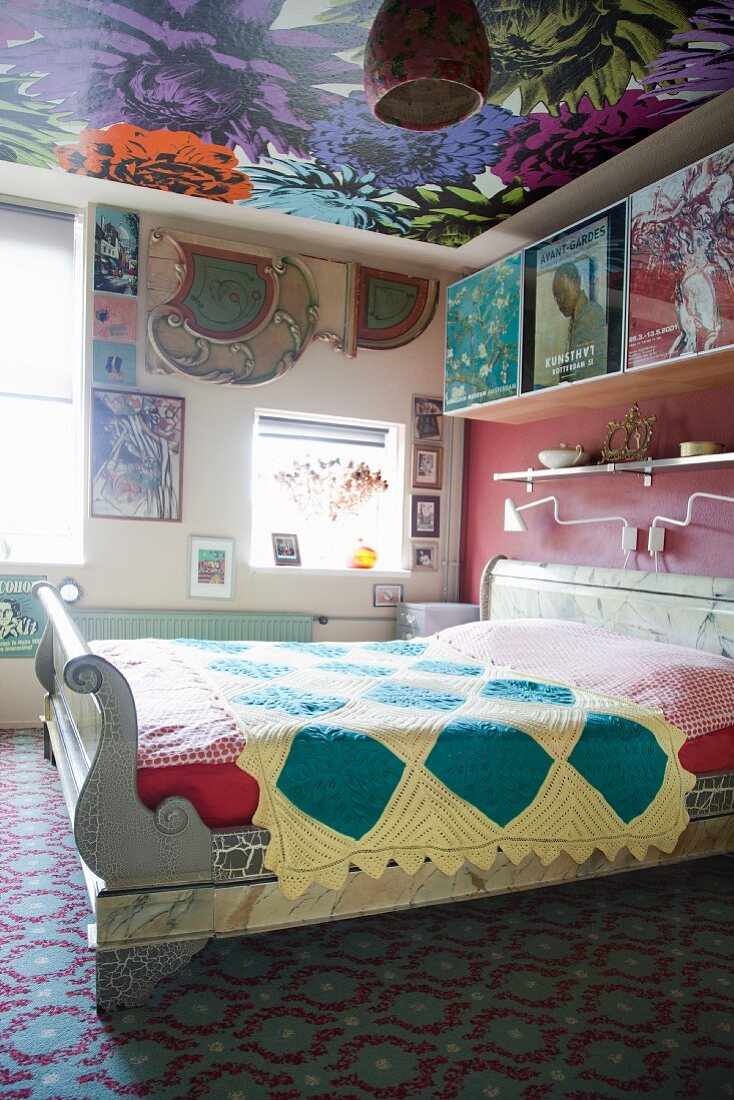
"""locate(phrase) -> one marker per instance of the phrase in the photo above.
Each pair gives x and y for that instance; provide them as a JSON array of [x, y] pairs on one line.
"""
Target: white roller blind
[[39, 342]]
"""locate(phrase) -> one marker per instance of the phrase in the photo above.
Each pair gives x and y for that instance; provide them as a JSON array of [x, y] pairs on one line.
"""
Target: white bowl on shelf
[[558, 458]]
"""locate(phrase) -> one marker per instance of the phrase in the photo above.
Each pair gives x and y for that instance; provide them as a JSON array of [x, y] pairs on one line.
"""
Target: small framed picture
[[424, 557], [427, 417], [425, 516], [211, 568], [427, 467], [386, 595], [285, 549]]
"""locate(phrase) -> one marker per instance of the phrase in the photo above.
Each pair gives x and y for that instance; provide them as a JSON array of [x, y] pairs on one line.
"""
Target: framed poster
[[425, 516], [211, 568], [681, 295], [483, 335], [573, 317], [22, 618], [116, 238], [114, 363], [137, 455], [427, 466]]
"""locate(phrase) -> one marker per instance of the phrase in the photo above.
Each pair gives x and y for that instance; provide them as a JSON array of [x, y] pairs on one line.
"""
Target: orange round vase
[[364, 557]]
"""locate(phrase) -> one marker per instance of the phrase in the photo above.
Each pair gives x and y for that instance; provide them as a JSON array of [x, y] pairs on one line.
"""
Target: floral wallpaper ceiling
[[261, 102]]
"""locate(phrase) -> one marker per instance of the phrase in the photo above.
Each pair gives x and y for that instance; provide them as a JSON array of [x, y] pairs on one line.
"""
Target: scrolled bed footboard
[[119, 838]]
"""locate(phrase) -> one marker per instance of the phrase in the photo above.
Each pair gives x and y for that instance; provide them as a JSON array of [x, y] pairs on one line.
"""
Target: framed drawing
[[115, 318], [574, 302], [211, 568], [285, 549], [136, 455], [681, 297], [386, 595], [483, 335], [424, 557], [425, 516], [114, 363], [427, 417], [427, 466], [116, 236]]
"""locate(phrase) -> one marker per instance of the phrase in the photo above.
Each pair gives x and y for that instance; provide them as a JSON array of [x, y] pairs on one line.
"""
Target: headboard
[[663, 607]]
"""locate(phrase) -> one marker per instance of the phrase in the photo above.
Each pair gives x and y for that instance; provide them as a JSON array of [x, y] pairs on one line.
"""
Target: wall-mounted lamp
[[656, 535], [515, 522]]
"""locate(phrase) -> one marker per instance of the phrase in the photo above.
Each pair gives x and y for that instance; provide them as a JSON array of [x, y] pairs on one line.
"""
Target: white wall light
[[515, 522], [656, 534]]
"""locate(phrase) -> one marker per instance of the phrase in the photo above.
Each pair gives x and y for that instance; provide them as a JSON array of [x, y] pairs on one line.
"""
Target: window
[[335, 484], [40, 319]]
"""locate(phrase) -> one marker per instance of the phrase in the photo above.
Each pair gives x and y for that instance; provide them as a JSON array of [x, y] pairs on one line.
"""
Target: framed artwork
[[22, 617], [483, 335], [114, 363], [116, 239], [681, 298], [285, 549], [427, 467], [114, 318], [574, 302], [136, 455], [425, 516], [386, 595], [424, 557], [427, 417], [211, 568]]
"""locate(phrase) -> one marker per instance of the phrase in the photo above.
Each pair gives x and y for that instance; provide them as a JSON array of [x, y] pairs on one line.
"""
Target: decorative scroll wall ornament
[[392, 309], [627, 440]]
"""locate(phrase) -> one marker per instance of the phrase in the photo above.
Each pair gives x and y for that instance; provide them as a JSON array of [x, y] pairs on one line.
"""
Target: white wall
[[143, 564]]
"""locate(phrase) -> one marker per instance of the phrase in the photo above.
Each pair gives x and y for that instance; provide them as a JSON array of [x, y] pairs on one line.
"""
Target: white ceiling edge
[[699, 133]]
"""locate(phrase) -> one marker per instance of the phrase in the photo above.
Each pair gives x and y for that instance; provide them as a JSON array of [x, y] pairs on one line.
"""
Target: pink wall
[[705, 547]]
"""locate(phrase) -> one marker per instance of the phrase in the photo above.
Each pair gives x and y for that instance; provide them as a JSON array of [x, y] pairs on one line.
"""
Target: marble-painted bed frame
[[161, 883]]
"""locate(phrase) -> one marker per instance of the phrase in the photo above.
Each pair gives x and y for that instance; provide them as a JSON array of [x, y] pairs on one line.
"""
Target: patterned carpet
[[622, 987]]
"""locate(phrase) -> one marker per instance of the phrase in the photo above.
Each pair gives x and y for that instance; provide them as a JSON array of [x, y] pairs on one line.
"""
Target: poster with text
[[483, 335], [681, 279], [574, 302], [22, 618]]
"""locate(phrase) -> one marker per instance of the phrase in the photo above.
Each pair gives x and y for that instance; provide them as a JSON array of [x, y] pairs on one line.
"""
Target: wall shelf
[[707, 371], [645, 469]]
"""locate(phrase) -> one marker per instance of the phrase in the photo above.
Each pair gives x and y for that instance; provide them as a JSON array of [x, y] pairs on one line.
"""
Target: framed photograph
[[285, 549], [681, 297], [425, 516], [483, 335], [116, 236], [136, 455], [574, 302], [114, 363], [211, 568], [424, 557], [386, 595], [427, 467], [427, 417]]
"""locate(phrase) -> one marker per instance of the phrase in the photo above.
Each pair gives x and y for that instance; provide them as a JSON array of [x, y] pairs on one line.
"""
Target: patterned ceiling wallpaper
[[261, 102]]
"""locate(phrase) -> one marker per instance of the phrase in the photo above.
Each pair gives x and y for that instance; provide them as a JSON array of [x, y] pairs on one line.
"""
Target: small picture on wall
[[424, 557], [116, 234], [386, 595], [211, 568], [427, 467], [113, 362], [425, 516], [427, 417], [115, 318], [285, 549]]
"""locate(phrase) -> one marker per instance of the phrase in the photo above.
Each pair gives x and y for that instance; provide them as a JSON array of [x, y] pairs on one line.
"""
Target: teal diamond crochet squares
[[622, 760]]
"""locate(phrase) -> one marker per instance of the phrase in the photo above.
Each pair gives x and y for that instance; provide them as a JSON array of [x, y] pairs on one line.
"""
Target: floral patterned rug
[[622, 987]]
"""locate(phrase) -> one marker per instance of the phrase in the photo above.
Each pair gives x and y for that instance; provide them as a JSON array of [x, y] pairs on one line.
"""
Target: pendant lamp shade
[[426, 65]]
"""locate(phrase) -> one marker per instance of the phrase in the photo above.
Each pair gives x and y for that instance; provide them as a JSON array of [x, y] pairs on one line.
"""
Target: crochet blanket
[[371, 752]]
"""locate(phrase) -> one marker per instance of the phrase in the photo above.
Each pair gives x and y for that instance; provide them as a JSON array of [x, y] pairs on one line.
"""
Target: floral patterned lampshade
[[426, 66]]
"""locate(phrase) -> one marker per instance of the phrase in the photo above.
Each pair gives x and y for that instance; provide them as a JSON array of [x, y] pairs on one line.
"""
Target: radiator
[[229, 626]]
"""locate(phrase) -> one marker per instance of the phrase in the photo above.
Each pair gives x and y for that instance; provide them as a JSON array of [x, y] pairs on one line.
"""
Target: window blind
[[301, 430]]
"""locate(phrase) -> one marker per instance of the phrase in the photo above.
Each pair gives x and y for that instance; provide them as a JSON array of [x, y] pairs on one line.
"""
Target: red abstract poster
[[681, 278]]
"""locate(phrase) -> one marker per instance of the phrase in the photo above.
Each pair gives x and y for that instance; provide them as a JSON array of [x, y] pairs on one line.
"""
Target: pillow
[[694, 689]]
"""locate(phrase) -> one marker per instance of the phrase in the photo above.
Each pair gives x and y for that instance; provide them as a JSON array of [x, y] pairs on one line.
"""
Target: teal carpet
[[618, 988]]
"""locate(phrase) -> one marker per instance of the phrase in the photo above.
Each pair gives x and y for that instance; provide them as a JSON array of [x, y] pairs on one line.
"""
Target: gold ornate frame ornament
[[627, 440]]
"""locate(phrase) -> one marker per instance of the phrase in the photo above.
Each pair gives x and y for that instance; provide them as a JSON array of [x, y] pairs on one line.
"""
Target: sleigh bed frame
[[161, 883]]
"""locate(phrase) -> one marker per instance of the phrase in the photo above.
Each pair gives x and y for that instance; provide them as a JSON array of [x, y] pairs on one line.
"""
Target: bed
[[162, 882]]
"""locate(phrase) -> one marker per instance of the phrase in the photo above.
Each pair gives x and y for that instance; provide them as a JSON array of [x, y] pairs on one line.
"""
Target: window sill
[[380, 574]]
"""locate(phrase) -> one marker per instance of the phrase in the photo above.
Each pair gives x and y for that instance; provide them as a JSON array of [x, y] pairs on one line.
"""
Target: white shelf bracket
[[529, 482], [647, 477]]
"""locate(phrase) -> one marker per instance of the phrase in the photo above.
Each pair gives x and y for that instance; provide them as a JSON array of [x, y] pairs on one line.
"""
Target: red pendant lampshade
[[426, 65]]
